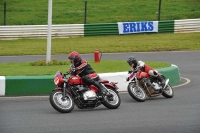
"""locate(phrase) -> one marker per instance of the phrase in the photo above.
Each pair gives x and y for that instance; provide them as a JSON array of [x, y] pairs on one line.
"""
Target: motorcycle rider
[[140, 65], [82, 68]]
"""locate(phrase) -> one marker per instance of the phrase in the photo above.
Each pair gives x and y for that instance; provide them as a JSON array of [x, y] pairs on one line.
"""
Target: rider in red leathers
[[145, 70], [82, 68]]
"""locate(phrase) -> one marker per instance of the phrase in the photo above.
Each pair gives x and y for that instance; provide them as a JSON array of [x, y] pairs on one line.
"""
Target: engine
[[86, 93], [82, 87], [152, 86], [156, 86], [89, 95]]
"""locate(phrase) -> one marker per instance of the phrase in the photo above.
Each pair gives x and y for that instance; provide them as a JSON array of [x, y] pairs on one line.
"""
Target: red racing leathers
[[144, 70]]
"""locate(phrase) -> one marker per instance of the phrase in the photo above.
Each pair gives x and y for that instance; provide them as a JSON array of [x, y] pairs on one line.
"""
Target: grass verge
[[35, 12], [106, 44], [105, 66]]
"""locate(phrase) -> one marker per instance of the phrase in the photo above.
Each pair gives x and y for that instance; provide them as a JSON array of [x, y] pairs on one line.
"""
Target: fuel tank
[[75, 80]]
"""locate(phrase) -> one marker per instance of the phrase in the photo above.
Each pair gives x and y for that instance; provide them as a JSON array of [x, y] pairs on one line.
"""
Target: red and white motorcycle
[[149, 86]]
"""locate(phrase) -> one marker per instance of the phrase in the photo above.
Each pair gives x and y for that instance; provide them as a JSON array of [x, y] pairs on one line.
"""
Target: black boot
[[102, 90]]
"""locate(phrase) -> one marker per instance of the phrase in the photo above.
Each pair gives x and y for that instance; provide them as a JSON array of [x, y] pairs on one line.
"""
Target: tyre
[[114, 102], [62, 105], [168, 92], [136, 93]]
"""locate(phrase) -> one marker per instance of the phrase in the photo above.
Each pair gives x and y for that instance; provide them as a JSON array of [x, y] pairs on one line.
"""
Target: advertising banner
[[137, 27]]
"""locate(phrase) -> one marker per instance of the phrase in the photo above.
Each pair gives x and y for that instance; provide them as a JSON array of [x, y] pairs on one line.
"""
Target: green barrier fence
[[166, 26], [29, 85], [100, 29]]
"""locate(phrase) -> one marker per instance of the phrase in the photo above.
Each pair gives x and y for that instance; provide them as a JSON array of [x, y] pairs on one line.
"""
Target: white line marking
[[187, 82]]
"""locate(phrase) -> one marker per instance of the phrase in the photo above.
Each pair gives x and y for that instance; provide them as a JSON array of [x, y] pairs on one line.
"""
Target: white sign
[[137, 27]]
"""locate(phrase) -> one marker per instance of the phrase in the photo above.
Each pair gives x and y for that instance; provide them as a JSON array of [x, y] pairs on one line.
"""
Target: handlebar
[[131, 71], [67, 73]]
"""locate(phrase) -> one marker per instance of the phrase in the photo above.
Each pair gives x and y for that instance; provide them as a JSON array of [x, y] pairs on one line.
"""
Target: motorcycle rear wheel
[[136, 93], [65, 105], [112, 104]]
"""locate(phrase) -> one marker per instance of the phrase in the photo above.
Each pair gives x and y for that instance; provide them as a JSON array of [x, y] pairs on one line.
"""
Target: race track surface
[[180, 114]]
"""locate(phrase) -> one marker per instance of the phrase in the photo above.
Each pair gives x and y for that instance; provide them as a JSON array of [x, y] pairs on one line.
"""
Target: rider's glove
[[73, 69], [135, 71], [68, 72], [127, 79], [130, 71]]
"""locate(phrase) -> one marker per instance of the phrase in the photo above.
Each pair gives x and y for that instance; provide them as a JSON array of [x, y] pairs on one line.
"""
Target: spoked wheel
[[136, 92], [112, 102], [168, 92], [60, 103]]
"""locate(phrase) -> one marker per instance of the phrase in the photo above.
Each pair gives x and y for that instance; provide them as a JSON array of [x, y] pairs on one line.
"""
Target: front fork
[[166, 83], [135, 82], [64, 92]]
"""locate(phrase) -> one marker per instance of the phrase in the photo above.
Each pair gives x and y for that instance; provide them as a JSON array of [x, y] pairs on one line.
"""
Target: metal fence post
[[159, 8], [4, 13], [85, 12]]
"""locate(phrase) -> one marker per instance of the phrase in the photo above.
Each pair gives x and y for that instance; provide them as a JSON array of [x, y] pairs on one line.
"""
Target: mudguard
[[58, 88], [112, 85]]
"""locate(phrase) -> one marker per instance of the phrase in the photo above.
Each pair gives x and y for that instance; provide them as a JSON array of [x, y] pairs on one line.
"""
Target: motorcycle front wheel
[[60, 103], [136, 92], [113, 102], [168, 92]]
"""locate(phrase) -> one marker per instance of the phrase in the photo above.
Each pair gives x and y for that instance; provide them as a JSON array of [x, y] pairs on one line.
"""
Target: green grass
[[106, 44], [35, 12], [24, 68], [109, 44]]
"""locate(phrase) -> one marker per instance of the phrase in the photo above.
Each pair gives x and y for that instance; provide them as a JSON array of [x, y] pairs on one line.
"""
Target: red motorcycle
[[73, 91]]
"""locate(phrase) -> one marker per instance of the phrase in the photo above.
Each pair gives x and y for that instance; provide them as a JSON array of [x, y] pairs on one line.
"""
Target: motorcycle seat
[[103, 81]]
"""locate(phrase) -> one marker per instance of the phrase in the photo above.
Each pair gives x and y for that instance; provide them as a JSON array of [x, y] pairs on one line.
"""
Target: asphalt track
[[180, 114]]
